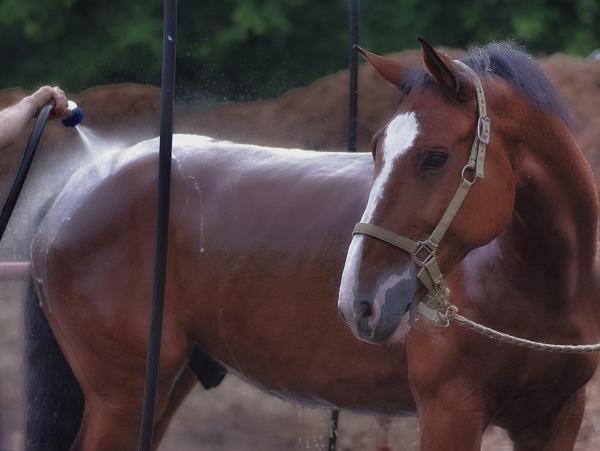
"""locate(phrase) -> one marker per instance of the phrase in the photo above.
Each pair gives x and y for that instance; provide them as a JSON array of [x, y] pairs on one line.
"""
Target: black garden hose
[[17, 186]]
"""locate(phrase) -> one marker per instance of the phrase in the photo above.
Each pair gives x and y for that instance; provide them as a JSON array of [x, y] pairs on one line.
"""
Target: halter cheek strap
[[423, 253]]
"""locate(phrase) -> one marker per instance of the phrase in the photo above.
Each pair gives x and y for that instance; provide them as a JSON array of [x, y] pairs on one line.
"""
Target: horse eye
[[433, 161]]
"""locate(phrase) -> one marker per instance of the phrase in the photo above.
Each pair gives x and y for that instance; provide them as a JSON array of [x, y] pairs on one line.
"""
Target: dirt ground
[[238, 417]]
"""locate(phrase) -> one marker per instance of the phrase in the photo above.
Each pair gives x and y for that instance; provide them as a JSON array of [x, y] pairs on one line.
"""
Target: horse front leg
[[451, 418], [555, 431], [185, 383]]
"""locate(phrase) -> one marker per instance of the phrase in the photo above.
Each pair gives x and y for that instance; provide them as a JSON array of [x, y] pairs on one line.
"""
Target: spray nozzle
[[75, 117]]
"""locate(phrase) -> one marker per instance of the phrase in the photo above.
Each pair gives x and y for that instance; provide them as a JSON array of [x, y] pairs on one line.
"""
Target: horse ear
[[440, 67], [389, 69]]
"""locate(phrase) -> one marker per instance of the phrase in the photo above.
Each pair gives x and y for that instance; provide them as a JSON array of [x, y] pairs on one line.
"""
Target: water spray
[[36, 135]]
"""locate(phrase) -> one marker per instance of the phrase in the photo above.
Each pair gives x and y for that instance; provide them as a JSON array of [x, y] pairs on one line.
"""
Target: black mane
[[511, 63]]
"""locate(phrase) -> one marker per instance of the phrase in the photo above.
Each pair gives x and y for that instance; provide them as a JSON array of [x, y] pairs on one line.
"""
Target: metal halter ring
[[463, 174]]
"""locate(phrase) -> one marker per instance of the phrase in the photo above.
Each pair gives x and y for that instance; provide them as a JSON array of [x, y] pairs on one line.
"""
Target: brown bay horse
[[258, 241]]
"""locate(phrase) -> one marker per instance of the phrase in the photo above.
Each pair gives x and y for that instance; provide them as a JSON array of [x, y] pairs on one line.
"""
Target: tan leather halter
[[423, 253]]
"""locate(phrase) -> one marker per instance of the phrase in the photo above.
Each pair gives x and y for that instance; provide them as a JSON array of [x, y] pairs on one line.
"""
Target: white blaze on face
[[399, 138]]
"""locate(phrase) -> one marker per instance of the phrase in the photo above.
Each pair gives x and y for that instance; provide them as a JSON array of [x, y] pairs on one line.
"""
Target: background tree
[[247, 49]]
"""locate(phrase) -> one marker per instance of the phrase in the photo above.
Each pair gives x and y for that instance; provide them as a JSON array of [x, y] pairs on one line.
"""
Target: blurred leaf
[[246, 49]]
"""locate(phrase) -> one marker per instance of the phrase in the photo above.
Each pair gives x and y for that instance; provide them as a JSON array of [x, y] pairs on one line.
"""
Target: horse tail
[[53, 398]]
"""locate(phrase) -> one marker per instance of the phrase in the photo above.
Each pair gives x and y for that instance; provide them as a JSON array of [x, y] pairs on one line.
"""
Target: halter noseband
[[423, 253]]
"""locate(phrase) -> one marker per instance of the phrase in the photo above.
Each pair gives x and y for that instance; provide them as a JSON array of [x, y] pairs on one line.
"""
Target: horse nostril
[[363, 309]]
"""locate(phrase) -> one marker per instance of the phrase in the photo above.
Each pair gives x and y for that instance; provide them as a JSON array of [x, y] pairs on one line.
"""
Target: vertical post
[[333, 430], [353, 20], [353, 27], [167, 97]]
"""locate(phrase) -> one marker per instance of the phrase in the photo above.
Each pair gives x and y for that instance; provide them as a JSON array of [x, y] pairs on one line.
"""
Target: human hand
[[43, 95]]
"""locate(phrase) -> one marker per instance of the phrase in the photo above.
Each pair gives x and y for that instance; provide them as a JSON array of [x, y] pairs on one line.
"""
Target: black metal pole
[[167, 97], [333, 430], [353, 26], [17, 186]]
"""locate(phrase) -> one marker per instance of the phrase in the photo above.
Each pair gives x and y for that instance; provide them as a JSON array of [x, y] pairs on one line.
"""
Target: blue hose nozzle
[[76, 115]]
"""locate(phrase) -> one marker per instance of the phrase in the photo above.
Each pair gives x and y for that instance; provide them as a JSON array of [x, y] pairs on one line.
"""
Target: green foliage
[[543, 26], [245, 49]]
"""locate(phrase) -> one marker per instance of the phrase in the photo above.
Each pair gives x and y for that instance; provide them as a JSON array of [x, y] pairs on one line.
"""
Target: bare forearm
[[14, 119]]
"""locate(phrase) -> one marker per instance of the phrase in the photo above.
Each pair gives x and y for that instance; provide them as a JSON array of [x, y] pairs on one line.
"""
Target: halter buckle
[[483, 129], [424, 246]]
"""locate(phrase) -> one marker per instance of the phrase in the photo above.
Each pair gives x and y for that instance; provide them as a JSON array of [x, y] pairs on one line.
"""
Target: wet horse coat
[[258, 240], [233, 244]]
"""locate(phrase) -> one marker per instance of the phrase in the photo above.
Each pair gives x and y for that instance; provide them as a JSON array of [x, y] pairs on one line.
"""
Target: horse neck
[[555, 218]]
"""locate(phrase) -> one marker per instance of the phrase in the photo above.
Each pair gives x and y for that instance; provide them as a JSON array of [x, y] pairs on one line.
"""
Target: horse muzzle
[[386, 313]]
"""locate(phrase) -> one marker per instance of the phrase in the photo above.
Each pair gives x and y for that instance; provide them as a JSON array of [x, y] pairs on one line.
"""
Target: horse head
[[421, 157]]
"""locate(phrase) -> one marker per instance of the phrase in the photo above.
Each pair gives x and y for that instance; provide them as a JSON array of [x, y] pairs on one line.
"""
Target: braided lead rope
[[506, 338]]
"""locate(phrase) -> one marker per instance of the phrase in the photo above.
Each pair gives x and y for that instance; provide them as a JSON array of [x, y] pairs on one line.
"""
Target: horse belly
[[263, 277]]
